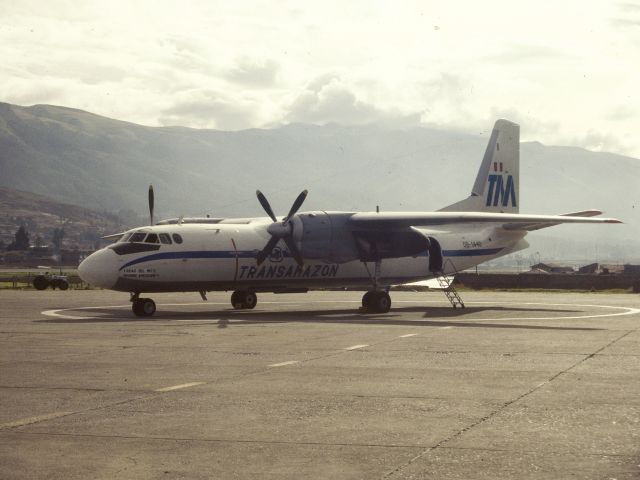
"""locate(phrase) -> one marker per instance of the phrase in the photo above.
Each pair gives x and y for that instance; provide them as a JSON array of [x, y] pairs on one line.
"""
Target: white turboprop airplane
[[315, 250]]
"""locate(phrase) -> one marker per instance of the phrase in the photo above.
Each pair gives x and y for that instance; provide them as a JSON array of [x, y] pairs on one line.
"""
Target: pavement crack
[[223, 440], [504, 406]]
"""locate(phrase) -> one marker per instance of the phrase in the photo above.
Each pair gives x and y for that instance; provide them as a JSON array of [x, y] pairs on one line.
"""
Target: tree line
[[22, 240]]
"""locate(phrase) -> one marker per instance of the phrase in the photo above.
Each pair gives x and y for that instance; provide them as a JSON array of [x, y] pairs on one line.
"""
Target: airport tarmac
[[516, 385]]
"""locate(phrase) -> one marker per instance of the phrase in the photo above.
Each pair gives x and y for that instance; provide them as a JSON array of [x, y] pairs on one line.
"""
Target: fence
[[26, 281], [549, 281]]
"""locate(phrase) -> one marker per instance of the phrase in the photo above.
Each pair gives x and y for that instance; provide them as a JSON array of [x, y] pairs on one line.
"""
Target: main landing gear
[[376, 301], [243, 300], [142, 307]]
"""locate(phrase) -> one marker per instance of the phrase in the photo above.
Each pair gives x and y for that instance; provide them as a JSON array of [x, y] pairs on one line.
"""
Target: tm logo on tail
[[501, 193]]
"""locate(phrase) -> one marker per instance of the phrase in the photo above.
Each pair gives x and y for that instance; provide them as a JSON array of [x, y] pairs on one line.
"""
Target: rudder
[[498, 181]]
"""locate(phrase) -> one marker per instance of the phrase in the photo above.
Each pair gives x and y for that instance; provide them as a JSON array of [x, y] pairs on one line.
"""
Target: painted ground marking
[[290, 362], [355, 347], [178, 387]]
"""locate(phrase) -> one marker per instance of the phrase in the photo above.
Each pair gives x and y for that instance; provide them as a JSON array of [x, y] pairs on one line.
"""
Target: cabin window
[[152, 238], [165, 238], [177, 238], [138, 237]]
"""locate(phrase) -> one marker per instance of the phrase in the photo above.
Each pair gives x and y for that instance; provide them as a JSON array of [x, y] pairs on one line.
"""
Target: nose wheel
[[143, 307]]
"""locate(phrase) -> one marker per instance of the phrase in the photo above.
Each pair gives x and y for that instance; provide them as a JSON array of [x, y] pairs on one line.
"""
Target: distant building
[[632, 269], [602, 269], [551, 268]]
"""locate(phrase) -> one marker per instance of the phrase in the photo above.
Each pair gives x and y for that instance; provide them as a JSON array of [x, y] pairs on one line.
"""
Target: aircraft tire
[[242, 300], [136, 306], [249, 300], [148, 307], [236, 300], [380, 302], [63, 285], [143, 307], [366, 298]]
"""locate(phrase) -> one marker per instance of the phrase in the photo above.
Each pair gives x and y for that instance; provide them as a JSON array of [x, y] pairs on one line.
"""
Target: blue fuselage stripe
[[481, 252], [252, 254]]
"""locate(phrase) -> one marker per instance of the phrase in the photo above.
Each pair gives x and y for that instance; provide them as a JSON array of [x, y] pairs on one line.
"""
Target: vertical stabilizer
[[498, 182]]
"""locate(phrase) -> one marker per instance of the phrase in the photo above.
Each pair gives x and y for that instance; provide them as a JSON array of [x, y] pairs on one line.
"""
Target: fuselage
[[222, 256]]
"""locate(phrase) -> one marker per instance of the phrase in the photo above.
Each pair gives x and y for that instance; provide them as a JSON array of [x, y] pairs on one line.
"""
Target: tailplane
[[497, 185]]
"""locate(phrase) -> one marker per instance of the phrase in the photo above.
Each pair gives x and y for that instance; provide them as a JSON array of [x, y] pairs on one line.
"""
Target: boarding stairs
[[446, 284]]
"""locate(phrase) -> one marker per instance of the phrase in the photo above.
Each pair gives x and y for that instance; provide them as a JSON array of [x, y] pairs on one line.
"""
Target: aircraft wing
[[509, 221], [113, 236], [538, 226]]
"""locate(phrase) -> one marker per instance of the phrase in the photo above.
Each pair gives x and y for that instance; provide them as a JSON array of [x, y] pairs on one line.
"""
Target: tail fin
[[498, 182]]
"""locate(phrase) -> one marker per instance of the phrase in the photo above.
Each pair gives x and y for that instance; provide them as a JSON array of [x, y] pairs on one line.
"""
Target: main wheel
[[366, 298], [242, 300], [236, 300], [376, 302], [249, 300], [381, 302], [63, 285]]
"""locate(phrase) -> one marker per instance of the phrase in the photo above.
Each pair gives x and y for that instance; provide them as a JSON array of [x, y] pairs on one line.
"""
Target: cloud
[[527, 54], [622, 113], [77, 69], [629, 15], [326, 99], [255, 74], [208, 109], [531, 126], [599, 142]]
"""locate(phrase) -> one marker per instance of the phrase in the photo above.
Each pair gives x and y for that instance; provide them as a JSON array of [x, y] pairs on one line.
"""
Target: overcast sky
[[567, 71]]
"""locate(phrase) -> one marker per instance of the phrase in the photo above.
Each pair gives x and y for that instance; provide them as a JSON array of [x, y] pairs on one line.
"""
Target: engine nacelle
[[330, 237], [325, 236]]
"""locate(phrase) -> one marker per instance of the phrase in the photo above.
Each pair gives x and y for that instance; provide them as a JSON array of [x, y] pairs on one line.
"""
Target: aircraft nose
[[100, 269]]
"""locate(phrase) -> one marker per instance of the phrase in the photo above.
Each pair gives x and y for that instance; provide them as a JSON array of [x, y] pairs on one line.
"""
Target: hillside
[[42, 215], [104, 164]]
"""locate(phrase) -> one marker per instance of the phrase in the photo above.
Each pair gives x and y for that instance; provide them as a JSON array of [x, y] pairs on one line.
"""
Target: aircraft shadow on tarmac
[[429, 317]]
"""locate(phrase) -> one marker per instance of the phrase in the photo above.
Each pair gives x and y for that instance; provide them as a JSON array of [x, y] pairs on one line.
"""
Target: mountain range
[[104, 164]]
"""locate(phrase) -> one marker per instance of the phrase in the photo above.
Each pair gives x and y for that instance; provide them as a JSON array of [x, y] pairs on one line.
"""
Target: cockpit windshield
[[137, 237], [144, 237]]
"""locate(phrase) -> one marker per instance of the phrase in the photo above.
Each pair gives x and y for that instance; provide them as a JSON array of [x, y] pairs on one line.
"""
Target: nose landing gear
[[142, 307]]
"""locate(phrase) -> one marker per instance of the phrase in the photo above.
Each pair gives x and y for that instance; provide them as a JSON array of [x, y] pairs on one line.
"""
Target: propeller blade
[[265, 204], [293, 250], [266, 251], [151, 201], [296, 205]]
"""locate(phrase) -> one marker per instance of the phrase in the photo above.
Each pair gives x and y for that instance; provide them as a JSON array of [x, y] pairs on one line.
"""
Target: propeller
[[281, 230], [151, 200]]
